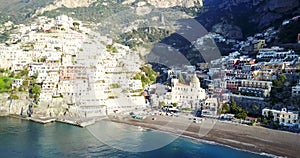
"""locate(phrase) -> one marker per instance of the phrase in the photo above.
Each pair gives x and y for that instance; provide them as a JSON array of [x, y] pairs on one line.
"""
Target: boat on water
[[138, 117]]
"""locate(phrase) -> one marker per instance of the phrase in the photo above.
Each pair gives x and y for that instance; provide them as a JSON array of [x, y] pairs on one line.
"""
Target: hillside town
[[60, 67], [72, 70]]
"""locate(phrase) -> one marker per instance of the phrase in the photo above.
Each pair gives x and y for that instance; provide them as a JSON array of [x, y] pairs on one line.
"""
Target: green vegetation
[[279, 82], [289, 32], [3, 70], [5, 84], [76, 24], [239, 112], [147, 76], [114, 85], [20, 74], [35, 91], [181, 79], [43, 59], [111, 48], [137, 91], [186, 109], [13, 96], [174, 104], [225, 108], [161, 103], [57, 49], [20, 11], [142, 36], [192, 11], [93, 13], [7, 77], [269, 121]]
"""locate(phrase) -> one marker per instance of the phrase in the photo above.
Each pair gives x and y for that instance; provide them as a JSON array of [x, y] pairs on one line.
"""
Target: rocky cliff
[[174, 3], [248, 15], [66, 3], [166, 3]]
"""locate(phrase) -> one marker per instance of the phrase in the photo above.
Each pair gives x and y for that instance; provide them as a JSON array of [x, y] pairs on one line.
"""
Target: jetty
[[76, 121]]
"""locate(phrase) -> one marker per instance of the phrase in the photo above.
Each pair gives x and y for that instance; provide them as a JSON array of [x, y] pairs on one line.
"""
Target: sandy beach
[[251, 138]]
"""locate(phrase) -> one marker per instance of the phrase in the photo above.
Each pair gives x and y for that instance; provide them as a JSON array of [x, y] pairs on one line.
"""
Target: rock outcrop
[[229, 31], [167, 3], [174, 3], [249, 15], [66, 3], [280, 6]]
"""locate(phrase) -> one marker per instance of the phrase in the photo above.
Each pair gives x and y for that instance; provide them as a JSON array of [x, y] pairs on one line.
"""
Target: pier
[[80, 122]]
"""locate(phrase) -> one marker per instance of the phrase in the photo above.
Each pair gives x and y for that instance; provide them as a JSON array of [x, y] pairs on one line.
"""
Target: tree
[[114, 85], [241, 115], [76, 24], [36, 90], [225, 108], [175, 104], [161, 103], [181, 79], [255, 108], [239, 112], [279, 82], [24, 72], [2, 70], [13, 96], [270, 116]]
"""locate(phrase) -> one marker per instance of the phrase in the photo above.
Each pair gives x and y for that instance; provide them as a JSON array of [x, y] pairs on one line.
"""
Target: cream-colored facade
[[188, 96], [283, 117]]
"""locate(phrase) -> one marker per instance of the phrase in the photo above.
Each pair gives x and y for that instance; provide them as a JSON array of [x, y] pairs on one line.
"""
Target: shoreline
[[229, 136], [203, 140], [79, 122], [240, 140]]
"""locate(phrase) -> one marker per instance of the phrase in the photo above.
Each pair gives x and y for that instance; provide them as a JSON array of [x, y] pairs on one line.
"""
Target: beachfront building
[[210, 107], [255, 88], [283, 116], [49, 86], [296, 90], [187, 95]]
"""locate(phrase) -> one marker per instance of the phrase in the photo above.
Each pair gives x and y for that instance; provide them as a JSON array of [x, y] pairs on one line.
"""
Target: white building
[[188, 95], [16, 83], [284, 117], [210, 107], [296, 90]]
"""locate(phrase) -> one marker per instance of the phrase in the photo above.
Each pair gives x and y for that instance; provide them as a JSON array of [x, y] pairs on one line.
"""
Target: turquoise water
[[20, 138]]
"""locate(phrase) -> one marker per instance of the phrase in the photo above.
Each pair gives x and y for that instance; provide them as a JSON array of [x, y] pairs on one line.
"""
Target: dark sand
[[251, 138]]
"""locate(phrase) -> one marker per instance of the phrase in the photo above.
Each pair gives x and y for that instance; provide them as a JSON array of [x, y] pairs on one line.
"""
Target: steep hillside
[[65, 3], [248, 15], [20, 10]]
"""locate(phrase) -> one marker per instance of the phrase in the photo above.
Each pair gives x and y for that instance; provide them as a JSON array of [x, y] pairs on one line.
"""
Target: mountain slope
[[249, 15]]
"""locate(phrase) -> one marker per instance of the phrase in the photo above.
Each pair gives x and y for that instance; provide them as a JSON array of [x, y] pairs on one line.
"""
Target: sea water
[[19, 138]]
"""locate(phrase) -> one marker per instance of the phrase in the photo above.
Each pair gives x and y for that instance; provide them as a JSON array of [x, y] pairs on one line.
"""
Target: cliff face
[[174, 3], [66, 3], [248, 15], [167, 3]]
